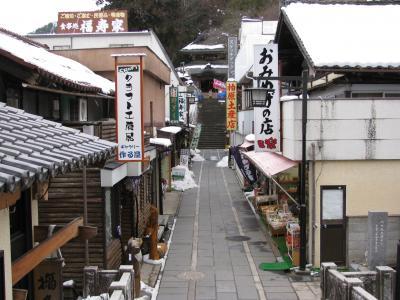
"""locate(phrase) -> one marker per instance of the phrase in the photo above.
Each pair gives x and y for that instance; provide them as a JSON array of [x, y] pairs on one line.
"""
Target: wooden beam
[[8, 199], [26, 263], [41, 232]]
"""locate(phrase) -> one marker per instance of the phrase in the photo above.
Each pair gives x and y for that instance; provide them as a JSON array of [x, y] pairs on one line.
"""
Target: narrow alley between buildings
[[218, 243]]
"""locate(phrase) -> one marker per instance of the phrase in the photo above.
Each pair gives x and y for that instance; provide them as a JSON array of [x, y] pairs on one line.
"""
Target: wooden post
[[153, 229], [85, 213], [133, 249]]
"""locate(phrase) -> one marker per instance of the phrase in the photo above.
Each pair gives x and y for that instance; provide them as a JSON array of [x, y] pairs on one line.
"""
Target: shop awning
[[269, 163]]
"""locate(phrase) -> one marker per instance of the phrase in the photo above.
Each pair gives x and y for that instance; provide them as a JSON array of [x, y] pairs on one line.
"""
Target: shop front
[[275, 199]]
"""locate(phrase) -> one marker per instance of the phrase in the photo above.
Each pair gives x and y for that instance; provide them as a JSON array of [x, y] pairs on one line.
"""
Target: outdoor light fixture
[[256, 97]]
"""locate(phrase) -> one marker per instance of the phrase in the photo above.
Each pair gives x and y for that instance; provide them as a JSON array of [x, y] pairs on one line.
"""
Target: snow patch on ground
[[187, 182], [223, 163], [196, 155], [149, 261]]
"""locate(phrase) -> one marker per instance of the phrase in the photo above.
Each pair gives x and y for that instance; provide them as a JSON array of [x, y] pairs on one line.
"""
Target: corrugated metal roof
[[32, 148]]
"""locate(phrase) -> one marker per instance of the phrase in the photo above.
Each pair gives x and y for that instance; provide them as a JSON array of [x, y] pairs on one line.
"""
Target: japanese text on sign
[[231, 109], [182, 107], [173, 105], [92, 22], [267, 119], [129, 113]]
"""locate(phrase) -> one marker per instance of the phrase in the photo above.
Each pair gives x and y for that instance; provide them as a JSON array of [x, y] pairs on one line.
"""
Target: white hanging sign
[[267, 119], [182, 107], [129, 108]]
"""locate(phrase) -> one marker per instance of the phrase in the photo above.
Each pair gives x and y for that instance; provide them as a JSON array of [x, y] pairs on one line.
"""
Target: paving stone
[[224, 274], [174, 290], [281, 296], [224, 286], [205, 292], [174, 284], [226, 296], [162, 296]]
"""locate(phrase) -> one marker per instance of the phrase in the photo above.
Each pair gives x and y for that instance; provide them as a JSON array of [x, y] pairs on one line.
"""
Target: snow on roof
[[250, 137], [205, 66], [62, 67], [171, 129], [193, 46], [161, 141], [347, 35]]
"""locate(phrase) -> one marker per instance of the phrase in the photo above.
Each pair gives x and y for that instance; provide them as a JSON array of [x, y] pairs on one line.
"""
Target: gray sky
[[24, 16]]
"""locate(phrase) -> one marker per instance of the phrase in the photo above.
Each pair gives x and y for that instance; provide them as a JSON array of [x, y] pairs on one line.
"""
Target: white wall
[[245, 122], [251, 33], [90, 41], [6, 247], [344, 129]]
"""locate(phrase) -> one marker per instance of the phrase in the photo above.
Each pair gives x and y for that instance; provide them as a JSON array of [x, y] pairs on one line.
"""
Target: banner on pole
[[129, 112], [182, 108], [173, 105], [231, 105], [246, 168], [219, 85], [267, 119], [232, 52]]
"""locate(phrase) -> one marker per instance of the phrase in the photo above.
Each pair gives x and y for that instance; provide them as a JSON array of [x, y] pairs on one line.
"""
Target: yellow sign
[[231, 105]]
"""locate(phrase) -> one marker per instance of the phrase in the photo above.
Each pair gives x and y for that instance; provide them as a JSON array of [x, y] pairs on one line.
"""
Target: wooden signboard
[[48, 280]]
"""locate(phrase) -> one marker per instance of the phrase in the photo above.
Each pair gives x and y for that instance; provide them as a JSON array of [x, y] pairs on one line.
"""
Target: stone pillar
[[350, 283], [117, 295], [90, 281], [377, 239], [129, 269], [325, 267], [385, 283], [124, 285]]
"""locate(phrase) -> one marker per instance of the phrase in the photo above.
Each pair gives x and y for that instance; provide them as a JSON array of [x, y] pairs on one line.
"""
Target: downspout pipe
[[313, 203]]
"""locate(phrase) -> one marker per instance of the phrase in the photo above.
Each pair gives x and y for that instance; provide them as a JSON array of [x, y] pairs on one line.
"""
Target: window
[[367, 95], [61, 47]]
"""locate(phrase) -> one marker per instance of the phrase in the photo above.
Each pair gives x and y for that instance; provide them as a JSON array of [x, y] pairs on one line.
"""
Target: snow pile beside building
[[223, 163], [196, 155], [182, 178]]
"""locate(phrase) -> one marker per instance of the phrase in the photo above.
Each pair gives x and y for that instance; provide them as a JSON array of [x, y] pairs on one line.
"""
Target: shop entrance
[[333, 224]]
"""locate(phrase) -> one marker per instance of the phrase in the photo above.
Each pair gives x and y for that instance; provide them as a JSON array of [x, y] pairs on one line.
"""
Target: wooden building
[[33, 152], [60, 89]]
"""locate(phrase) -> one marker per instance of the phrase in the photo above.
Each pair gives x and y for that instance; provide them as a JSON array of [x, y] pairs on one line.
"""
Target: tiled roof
[[32, 148], [52, 66]]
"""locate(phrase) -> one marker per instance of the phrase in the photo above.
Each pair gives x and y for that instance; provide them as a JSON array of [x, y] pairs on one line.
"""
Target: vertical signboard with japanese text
[[47, 278], [173, 105], [129, 112], [267, 119], [182, 107], [231, 106], [232, 52]]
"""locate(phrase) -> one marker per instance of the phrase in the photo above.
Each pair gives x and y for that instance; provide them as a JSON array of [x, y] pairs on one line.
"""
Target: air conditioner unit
[[83, 110]]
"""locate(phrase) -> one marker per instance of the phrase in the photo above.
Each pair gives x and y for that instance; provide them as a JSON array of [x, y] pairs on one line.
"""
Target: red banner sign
[[218, 84]]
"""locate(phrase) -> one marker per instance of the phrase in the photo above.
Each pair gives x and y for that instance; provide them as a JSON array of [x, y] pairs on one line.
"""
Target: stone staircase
[[212, 116]]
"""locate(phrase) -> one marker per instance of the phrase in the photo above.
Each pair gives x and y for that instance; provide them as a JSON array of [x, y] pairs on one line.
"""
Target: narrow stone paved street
[[208, 258]]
